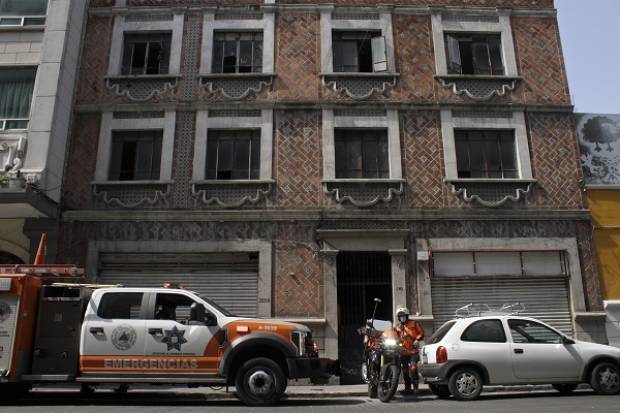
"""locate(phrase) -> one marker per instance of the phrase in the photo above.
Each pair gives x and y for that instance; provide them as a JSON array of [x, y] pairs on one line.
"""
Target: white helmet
[[402, 311]]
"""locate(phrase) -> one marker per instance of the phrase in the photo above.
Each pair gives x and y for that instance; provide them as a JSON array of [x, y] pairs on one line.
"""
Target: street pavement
[[163, 401]]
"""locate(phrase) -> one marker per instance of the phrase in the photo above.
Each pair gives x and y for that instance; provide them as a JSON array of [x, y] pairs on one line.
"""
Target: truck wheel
[[440, 390], [605, 379], [465, 384], [260, 382]]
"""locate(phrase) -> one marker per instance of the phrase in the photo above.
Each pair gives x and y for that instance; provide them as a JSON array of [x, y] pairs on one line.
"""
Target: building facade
[[599, 143], [295, 159], [39, 50]]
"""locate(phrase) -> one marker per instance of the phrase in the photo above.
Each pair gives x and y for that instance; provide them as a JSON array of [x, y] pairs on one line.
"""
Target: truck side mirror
[[210, 320], [197, 313]]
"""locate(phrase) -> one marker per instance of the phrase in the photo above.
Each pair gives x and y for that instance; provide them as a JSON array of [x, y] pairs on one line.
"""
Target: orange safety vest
[[409, 333]]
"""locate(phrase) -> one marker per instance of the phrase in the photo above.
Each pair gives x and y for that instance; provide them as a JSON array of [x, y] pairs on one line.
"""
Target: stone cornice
[[328, 215]]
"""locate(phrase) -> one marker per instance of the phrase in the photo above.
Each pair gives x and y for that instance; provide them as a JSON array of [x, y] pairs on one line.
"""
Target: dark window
[[486, 154], [16, 87], [146, 54], [136, 155], [120, 305], [233, 154], [361, 153], [173, 307], [485, 331], [474, 54], [525, 331], [441, 333], [238, 52], [359, 51], [23, 7]]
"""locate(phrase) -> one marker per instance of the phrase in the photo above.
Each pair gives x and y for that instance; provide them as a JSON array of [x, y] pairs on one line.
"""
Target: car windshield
[[441, 333], [215, 305]]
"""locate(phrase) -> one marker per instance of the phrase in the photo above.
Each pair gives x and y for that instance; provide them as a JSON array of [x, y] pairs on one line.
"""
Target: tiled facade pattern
[[298, 146]]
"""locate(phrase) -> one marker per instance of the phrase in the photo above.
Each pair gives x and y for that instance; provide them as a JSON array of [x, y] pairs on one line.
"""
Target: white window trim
[[204, 123], [389, 122], [121, 26], [266, 25], [109, 125], [517, 123], [503, 27], [328, 25]]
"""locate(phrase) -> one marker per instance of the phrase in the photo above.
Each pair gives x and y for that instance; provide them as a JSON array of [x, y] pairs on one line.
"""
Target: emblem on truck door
[[174, 338], [123, 337]]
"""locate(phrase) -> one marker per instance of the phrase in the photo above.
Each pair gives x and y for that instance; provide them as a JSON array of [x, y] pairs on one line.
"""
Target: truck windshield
[[219, 308]]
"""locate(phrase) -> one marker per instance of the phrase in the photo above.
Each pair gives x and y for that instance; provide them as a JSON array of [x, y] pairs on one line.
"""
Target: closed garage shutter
[[231, 280], [536, 280]]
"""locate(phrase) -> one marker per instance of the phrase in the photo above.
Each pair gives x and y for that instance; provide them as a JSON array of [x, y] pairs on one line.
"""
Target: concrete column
[[423, 278], [330, 281], [399, 279]]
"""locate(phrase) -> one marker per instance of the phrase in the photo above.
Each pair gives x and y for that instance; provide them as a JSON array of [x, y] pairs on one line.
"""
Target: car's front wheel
[[260, 382], [465, 384], [605, 379], [565, 389]]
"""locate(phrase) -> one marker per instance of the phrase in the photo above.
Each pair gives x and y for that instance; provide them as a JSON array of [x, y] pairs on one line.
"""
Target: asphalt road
[[582, 401]]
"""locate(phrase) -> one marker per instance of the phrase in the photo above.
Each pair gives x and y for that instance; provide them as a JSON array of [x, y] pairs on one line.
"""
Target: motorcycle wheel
[[388, 383], [372, 390]]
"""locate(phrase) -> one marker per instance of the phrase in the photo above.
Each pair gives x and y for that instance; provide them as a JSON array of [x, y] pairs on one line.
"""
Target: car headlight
[[390, 342]]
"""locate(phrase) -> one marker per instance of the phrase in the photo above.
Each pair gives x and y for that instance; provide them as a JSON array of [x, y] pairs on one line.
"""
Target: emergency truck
[[53, 332]]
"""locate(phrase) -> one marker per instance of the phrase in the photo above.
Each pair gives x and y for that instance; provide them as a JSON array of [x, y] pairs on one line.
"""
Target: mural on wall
[[599, 142]]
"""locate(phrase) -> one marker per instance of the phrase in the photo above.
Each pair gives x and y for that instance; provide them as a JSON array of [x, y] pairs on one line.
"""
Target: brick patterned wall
[[540, 61], [423, 159], [297, 57], [81, 161], [555, 161], [94, 60], [298, 159]]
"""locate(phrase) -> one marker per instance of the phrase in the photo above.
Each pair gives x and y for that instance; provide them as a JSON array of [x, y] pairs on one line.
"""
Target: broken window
[[238, 52], [474, 54], [361, 153], [146, 54], [136, 155], [486, 154], [233, 154], [360, 51]]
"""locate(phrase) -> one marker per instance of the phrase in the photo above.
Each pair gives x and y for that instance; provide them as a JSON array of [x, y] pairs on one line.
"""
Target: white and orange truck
[[53, 332]]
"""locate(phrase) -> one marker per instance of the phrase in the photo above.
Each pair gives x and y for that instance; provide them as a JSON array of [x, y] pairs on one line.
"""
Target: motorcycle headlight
[[390, 342]]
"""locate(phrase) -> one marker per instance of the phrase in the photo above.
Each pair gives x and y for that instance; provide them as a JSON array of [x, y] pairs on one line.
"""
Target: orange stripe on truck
[[149, 363]]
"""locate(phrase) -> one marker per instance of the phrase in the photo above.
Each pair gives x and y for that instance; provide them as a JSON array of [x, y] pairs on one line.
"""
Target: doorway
[[362, 277]]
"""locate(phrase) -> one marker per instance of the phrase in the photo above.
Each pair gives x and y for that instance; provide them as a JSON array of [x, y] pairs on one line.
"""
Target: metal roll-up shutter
[[229, 279], [545, 297]]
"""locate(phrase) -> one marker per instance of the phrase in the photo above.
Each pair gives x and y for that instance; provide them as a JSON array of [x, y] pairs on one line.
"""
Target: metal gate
[[543, 291], [229, 279], [362, 276]]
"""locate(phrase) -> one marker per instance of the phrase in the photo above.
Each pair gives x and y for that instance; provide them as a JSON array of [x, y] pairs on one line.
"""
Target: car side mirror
[[567, 341]]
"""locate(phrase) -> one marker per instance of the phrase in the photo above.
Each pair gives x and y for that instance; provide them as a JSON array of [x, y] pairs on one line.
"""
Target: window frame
[[477, 22], [239, 38], [495, 320], [143, 304], [460, 37], [253, 135], [122, 26], [484, 140], [368, 40], [149, 38], [4, 121], [328, 25], [24, 19], [380, 134], [512, 338], [153, 136], [152, 310], [482, 121]]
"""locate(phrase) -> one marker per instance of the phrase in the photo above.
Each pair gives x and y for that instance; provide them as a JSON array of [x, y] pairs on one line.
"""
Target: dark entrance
[[362, 276]]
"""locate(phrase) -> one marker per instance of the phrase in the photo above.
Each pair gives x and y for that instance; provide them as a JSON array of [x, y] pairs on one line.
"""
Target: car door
[[485, 342], [173, 343], [539, 353], [113, 332]]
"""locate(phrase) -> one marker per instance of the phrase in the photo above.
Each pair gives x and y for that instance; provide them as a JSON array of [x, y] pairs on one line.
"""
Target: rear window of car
[[485, 331], [124, 306], [441, 333]]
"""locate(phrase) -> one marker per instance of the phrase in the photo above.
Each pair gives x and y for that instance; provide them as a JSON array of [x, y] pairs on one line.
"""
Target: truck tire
[[465, 384], [605, 379], [260, 382]]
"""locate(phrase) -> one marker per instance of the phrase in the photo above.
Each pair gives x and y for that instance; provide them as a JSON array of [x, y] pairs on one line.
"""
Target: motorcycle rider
[[410, 333]]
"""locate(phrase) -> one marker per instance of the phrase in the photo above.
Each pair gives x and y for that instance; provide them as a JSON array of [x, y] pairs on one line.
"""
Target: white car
[[466, 354]]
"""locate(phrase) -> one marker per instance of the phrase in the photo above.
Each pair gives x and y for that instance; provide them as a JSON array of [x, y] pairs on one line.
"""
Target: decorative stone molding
[[359, 86], [479, 88], [236, 86], [491, 193], [232, 194], [364, 193], [142, 88], [133, 194]]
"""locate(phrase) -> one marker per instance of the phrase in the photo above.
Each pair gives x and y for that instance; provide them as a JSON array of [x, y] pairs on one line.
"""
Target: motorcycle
[[381, 365]]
